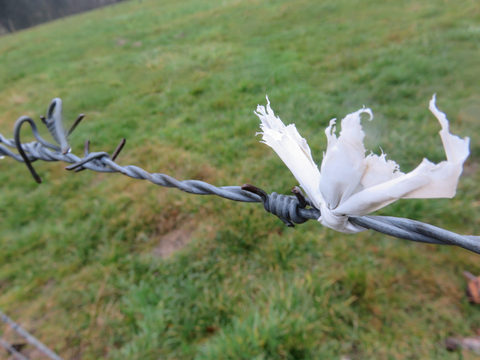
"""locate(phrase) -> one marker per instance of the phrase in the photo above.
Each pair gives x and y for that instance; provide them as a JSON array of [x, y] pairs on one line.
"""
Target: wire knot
[[290, 209]]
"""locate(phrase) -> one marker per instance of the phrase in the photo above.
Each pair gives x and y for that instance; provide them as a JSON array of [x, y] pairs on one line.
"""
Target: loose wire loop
[[290, 209]]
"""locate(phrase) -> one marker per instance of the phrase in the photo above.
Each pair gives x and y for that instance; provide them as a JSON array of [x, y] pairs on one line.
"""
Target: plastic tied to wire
[[291, 209]]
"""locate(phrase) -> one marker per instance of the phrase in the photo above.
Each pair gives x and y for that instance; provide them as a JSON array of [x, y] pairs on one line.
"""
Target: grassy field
[[83, 261]]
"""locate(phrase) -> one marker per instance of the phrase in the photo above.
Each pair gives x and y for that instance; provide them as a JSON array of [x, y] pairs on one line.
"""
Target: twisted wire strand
[[290, 209], [414, 230]]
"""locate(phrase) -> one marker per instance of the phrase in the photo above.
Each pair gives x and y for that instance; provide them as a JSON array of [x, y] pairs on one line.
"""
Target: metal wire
[[17, 355], [27, 336], [290, 209]]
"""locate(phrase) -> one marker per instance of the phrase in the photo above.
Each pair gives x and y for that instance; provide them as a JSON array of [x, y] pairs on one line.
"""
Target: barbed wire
[[291, 209]]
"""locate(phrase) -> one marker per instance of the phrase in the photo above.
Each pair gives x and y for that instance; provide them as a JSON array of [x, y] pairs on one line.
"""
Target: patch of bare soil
[[174, 240]]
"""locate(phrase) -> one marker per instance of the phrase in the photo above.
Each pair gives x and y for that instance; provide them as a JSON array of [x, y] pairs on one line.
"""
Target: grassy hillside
[[83, 259]]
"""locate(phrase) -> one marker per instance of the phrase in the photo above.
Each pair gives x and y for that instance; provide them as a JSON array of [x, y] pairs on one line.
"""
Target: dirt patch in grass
[[174, 240]]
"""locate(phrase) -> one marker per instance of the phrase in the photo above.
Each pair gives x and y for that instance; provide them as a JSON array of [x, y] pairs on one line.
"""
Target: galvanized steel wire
[[290, 209]]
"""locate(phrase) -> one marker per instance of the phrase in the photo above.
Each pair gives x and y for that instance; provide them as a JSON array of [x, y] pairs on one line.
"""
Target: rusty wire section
[[290, 209]]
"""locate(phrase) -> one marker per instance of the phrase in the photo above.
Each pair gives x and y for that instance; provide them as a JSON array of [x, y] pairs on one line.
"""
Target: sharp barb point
[[86, 148], [299, 195], [75, 124], [118, 149]]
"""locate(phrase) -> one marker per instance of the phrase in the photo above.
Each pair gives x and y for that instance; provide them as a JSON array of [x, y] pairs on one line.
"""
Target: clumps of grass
[[78, 258]]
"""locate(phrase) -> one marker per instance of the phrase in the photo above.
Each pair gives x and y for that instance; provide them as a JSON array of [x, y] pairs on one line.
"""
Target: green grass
[[79, 264]]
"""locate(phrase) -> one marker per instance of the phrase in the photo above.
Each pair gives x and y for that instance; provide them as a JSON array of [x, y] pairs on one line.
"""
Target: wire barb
[[302, 202], [75, 124], [86, 151], [18, 126], [118, 149], [255, 190]]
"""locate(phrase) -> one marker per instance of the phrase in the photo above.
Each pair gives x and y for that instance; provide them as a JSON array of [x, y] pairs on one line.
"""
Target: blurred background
[[103, 266], [21, 14]]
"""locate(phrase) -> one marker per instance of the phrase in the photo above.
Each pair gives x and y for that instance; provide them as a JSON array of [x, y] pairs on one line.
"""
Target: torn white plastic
[[352, 184], [292, 149]]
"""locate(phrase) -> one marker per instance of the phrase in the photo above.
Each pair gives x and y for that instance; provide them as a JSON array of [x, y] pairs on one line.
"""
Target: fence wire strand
[[17, 355], [290, 209], [27, 336]]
